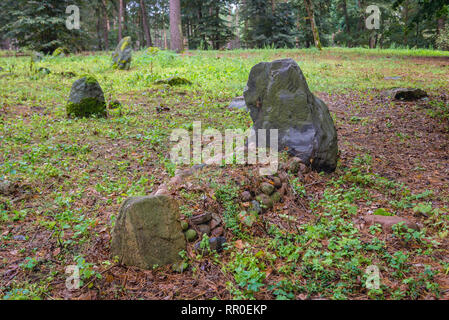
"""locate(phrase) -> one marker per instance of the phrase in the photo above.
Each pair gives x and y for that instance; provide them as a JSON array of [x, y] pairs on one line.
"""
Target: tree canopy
[[215, 24]]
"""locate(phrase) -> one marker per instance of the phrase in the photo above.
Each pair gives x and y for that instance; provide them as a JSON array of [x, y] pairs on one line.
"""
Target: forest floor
[[68, 178]]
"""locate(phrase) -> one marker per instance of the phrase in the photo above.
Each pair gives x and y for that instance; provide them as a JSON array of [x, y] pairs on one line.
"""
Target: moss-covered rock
[[267, 188], [174, 81], [114, 104], [276, 197], [86, 99], [184, 225], [122, 55], [278, 96], [265, 201], [61, 52], [191, 235], [44, 71]]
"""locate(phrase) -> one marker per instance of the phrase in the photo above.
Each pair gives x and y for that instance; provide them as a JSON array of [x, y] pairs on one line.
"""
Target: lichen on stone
[[60, 51], [122, 55]]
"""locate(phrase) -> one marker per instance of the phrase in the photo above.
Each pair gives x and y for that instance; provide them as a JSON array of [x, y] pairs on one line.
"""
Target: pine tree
[[41, 25]]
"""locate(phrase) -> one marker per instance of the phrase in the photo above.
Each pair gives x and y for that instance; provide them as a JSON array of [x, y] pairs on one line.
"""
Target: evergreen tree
[[40, 25], [206, 23], [268, 24]]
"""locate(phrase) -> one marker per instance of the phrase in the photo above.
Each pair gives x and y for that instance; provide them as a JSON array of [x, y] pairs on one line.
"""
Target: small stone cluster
[[270, 192], [206, 223]]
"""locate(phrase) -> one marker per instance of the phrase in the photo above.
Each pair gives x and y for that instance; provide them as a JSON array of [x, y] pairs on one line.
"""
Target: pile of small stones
[[206, 223], [209, 224], [272, 189], [195, 227]]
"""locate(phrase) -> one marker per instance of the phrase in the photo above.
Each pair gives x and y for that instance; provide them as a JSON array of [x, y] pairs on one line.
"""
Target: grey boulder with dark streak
[[278, 97]]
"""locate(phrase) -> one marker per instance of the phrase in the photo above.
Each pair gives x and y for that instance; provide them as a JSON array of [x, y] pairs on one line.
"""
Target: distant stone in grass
[[37, 56], [174, 81], [44, 71], [68, 74], [238, 103], [115, 104], [406, 94], [60, 52], [393, 78], [86, 99], [278, 97], [123, 54], [148, 232], [387, 222], [1, 69]]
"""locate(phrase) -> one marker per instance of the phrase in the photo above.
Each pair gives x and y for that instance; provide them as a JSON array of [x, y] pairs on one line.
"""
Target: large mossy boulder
[[148, 232], [122, 55], [278, 97], [86, 99]]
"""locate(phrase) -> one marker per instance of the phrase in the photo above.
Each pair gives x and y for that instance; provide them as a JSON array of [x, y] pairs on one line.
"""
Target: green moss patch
[[86, 108]]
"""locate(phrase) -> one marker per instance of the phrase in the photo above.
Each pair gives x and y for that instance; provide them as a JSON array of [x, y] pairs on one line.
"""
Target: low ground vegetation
[[67, 178]]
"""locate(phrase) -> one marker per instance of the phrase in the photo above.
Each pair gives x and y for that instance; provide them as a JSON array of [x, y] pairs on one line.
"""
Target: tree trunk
[[348, 26], [417, 33], [140, 33], [146, 29], [373, 40], [406, 16], [176, 41], [125, 19], [245, 23], [106, 25], [345, 11], [98, 28], [441, 25], [120, 17], [217, 15], [311, 14]]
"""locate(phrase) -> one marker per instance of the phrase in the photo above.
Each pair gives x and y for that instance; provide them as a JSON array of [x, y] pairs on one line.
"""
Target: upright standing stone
[[60, 52], [148, 232], [278, 97], [86, 98], [122, 55]]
